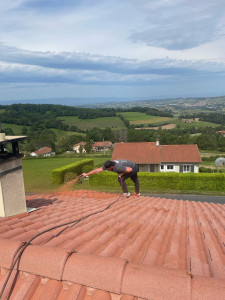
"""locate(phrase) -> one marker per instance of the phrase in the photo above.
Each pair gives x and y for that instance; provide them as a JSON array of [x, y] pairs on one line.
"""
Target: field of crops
[[197, 124], [112, 122], [138, 118]]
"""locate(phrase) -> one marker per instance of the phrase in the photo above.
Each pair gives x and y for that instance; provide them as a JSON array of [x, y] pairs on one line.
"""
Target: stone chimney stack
[[12, 193]]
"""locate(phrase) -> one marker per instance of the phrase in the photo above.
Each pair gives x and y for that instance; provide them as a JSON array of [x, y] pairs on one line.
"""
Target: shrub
[[69, 176], [209, 170], [205, 170], [58, 174], [87, 168], [166, 181]]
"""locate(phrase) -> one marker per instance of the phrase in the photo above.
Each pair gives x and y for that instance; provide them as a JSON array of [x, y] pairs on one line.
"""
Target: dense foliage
[[148, 111], [39, 122], [58, 175], [166, 181], [214, 117]]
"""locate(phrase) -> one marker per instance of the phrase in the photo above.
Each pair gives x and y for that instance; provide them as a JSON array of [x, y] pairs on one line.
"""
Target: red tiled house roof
[[80, 144], [180, 153], [139, 248], [44, 150], [149, 153]]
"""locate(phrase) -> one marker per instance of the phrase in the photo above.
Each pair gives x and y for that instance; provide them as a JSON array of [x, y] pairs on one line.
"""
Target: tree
[[88, 146]]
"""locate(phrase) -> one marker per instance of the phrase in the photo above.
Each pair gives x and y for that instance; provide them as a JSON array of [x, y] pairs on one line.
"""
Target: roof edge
[[113, 275]]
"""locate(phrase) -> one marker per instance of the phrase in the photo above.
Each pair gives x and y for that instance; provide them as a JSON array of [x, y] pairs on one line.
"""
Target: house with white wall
[[44, 151], [153, 157], [79, 147]]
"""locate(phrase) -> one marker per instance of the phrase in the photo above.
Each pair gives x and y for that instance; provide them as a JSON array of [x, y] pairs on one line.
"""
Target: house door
[[152, 168]]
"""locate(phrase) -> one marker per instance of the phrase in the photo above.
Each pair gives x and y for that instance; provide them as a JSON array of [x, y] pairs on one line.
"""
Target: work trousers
[[133, 176]]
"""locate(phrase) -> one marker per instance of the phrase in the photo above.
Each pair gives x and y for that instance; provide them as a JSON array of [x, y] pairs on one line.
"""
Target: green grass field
[[37, 172], [112, 122], [15, 128], [137, 118], [197, 124]]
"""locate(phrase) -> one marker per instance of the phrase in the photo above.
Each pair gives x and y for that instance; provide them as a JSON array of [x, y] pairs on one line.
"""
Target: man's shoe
[[137, 195], [127, 195]]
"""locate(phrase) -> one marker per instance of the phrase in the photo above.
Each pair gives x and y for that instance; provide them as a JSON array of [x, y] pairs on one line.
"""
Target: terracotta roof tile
[[140, 248], [95, 271], [161, 284], [44, 261], [8, 250]]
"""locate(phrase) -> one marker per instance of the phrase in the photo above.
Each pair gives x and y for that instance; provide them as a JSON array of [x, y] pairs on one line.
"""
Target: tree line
[[39, 119]]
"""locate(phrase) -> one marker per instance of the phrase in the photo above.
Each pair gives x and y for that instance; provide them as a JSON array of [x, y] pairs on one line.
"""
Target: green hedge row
[[167, 181], [77, 167], [209, 170]]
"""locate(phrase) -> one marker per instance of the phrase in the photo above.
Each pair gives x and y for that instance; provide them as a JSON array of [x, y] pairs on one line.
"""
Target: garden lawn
[[37, 172]]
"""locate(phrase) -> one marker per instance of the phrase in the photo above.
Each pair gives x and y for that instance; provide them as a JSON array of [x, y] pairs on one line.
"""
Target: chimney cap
[[12, 138]]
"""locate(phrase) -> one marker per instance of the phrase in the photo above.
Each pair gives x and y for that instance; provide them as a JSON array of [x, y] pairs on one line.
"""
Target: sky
[[143, 49]]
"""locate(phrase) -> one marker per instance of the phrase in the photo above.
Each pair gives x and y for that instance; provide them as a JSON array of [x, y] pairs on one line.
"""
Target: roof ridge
[[110, 274]]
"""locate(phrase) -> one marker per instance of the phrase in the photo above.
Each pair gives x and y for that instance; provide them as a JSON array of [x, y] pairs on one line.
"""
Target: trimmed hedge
[[209, 170], [167, 181], [77, 167]]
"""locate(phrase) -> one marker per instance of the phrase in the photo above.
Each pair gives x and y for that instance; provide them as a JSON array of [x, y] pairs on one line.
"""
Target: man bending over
[[125, 169]]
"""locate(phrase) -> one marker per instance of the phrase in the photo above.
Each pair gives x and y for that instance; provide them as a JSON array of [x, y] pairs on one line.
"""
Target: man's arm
[[92, 172], [128, 170]]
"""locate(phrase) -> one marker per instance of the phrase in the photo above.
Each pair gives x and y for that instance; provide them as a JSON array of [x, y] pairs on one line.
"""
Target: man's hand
[[83, 175]]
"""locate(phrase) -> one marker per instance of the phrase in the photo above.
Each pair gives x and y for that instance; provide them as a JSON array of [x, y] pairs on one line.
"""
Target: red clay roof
[[180, 153], [80, 144], [43, 150], [140, 153], [149, 153], [140, 248]]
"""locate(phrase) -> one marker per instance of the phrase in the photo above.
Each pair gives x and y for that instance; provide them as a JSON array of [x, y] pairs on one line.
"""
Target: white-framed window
[[186, 168], [170, 167], [162, 167]]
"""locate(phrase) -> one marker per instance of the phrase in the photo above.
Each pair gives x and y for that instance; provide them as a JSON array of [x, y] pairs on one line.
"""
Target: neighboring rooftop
[[150, 153], [139, 248], [44, 150]]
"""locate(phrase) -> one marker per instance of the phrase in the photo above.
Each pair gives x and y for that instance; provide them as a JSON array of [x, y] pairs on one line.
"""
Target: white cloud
[[111, 42]]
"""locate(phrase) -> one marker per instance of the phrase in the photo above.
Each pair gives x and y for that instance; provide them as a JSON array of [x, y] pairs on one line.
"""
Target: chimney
[[12, 193], [157, 143]]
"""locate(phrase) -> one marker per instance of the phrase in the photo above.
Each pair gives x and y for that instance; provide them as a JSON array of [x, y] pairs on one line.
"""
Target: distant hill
[[93, 102], [208, 103]]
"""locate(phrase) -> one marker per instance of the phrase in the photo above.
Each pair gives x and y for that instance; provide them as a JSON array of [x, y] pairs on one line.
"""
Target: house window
[[162, 167], [170, 167], [186, 168]]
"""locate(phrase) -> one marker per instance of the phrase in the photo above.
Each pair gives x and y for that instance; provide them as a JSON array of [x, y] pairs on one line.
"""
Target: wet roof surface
[[139, 248]]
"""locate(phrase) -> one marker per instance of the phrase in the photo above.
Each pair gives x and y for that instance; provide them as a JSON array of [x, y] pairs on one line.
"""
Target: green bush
[[166, 181], [87, 168], [59, 174], [209, 170], [69, 176]]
